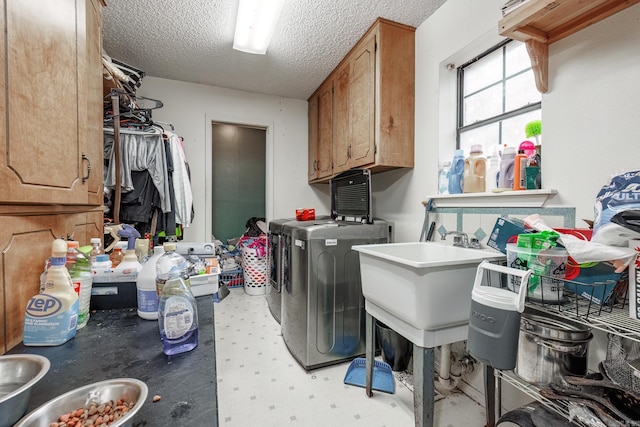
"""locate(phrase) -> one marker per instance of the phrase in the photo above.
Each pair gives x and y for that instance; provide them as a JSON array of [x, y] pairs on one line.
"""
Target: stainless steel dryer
[[323, 316]]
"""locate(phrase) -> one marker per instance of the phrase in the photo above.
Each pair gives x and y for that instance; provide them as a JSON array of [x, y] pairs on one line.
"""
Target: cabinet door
[[25, 242], [362, 104], [313, 138], [40, 158], [341, 119], [325, 131], [90, 100]]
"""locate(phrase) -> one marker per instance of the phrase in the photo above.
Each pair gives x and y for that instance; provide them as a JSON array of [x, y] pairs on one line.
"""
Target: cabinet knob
[[85, 158]]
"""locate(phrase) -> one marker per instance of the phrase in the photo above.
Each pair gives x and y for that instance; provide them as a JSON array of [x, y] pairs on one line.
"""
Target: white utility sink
[[422, 290]]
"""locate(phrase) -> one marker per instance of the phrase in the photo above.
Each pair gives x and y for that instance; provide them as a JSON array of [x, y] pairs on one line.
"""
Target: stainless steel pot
[[550, 347]]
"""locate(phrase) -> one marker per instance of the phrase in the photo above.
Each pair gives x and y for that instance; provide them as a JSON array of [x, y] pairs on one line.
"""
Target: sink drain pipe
[[451, 373]]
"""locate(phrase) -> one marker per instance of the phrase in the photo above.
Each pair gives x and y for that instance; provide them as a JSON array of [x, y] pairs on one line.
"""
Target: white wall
[[191, 108]]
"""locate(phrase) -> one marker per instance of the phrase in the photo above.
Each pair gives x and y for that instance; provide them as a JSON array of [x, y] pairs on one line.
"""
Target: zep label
[[49, 321], [43, 305]]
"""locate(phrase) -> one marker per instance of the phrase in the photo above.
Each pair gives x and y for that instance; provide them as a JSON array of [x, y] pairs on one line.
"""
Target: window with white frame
[[497, 97]]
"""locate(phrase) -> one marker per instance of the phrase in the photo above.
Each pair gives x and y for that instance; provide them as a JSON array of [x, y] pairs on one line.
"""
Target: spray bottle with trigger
[[130, 262]]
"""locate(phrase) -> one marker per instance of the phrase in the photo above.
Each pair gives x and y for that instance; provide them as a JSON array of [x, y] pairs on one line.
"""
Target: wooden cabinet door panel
[[90, 83], [25, 243], [40, 159], [325, 131], [341, 119], [362, 104], [313, 138]]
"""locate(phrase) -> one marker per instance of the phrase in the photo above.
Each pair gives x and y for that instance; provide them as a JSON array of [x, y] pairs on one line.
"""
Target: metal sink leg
[[423, 385], [370, 345], [423, 376]]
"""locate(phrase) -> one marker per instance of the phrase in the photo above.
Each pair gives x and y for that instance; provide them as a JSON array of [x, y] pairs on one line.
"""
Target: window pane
[[517, 58], [483, 73], [520, 91], [513, 129], [482, 105], [487, 136]]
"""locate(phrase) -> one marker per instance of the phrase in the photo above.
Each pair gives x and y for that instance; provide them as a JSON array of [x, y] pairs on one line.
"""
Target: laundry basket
[[254, 264]]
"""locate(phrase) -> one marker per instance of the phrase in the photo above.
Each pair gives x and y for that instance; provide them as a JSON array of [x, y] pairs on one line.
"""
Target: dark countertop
[[118, 344]]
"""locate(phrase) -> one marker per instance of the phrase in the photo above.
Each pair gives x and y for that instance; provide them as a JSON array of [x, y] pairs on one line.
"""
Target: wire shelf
[[611, 315], [602, 305]]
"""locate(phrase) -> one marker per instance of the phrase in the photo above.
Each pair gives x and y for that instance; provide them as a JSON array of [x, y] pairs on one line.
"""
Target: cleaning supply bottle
[[142, 250], [443, 178], [475, 170], [493, 170], [177, 317], [505, 180], [102, 265], [116, 256], [51, 317], [96, 249], [171, 265], [456, 175], [146, 286], [79, 269], [129, 263], [519, 171]]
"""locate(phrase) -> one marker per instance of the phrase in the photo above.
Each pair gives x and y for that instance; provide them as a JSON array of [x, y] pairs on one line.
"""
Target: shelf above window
[[540, 23], [506, 199]]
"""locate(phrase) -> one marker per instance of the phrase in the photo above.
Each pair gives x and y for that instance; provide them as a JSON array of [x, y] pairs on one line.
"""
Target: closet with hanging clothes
[[146, 179]]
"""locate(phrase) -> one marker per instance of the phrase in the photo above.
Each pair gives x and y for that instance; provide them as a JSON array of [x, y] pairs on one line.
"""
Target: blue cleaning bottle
[[456, 184]]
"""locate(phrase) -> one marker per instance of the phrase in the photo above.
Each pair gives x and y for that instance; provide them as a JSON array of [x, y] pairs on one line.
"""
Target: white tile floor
[[260, 384]]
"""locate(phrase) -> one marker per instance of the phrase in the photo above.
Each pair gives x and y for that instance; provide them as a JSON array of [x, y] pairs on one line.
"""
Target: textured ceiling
[[191, 40]]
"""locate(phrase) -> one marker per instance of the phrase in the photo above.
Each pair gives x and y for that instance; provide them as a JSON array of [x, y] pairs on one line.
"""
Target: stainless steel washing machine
[[278, 263], [276, 267], [323, 316]]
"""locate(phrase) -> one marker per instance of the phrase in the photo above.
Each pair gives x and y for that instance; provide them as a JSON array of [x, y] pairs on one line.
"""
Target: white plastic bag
[[620, 194], [584, 251]]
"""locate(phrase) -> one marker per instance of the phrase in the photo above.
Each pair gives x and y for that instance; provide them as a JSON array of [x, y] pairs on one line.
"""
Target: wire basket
[[232, 278]]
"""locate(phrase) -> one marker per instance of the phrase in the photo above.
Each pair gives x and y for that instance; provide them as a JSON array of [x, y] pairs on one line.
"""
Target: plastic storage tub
[[548, 266]]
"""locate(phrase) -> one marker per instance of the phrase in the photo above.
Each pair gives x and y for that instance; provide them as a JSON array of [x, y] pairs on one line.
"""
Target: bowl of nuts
[[110, 403]]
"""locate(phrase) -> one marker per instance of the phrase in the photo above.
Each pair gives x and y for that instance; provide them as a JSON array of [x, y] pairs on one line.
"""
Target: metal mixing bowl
[[121, 388], [18, 374]]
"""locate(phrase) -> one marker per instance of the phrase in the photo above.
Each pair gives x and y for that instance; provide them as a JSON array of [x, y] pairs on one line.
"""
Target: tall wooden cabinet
[[372, 103], [320, 134], [50, 144]]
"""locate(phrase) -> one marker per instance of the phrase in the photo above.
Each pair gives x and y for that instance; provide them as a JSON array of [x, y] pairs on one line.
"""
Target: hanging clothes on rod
[[183, 201], [138, 151]]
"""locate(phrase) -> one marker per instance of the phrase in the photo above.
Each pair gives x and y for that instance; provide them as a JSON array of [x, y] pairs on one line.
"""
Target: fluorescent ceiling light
[[255, 24]]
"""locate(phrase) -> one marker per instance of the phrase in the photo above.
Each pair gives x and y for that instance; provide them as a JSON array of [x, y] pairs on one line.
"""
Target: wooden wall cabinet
[[373, 103], [51, 149], [539, 23], [50, 143], [320, 133]]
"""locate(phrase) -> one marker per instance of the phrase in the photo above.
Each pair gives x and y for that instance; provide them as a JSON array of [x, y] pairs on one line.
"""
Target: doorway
[[238, 162]]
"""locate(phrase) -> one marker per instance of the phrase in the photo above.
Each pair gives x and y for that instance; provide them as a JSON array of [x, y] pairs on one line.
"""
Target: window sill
[[506, 199]]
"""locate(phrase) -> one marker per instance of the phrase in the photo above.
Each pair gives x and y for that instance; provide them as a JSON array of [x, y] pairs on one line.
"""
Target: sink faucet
[[460, 238]]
